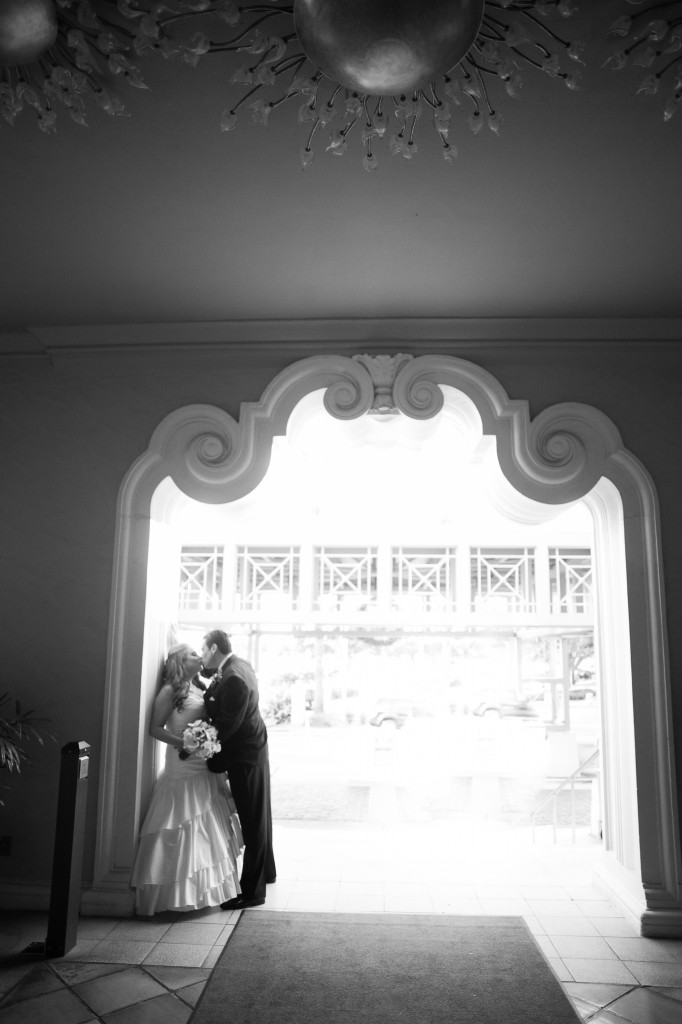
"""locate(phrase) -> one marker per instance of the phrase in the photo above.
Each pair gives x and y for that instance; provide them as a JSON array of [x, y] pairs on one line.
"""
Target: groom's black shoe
[[241, 902]]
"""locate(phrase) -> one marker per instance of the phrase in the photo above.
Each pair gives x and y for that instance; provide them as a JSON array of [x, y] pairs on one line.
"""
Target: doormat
[[301, 968]]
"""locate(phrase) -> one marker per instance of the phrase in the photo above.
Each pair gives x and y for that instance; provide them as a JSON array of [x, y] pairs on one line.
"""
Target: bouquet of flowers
[[200, 738]]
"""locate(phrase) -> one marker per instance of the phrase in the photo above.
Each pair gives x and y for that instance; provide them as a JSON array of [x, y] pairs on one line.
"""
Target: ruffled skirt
[[190, 841]]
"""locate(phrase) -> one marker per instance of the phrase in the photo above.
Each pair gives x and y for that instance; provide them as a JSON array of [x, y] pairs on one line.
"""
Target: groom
[[232, 706]]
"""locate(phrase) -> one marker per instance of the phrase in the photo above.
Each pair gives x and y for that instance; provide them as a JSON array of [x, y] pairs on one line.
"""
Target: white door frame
[[567, 453]]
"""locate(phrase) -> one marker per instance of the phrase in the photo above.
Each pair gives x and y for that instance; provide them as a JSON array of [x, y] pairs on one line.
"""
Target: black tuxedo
[[232, 706]]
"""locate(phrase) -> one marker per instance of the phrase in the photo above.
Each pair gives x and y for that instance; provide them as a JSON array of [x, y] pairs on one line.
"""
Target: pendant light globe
[[386, 47], [28, 28]]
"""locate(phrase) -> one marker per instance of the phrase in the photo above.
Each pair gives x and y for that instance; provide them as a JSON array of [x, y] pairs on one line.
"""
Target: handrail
[[569, 780]]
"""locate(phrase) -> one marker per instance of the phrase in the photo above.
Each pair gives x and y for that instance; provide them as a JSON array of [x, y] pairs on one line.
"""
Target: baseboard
[[662, 924], [103, 902], [647, 912], [33, 896], [624, 890]]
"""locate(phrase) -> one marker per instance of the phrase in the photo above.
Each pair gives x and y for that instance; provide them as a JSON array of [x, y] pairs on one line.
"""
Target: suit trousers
[[250, 785]]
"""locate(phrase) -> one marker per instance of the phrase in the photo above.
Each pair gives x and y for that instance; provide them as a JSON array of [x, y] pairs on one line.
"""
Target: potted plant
[[16, 728]]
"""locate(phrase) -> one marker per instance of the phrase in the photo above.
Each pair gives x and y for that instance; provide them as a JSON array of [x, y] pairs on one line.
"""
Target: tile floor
[[153, 970]]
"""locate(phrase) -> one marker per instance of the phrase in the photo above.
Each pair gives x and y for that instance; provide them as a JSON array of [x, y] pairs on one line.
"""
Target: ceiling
[[574, 211]]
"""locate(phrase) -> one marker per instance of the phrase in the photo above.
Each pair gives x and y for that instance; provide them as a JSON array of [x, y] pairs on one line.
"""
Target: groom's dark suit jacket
[[232, 706]]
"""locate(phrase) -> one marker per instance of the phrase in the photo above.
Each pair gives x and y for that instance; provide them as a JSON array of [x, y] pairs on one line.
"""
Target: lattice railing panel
[[267, 579], [345, 579], [201, 578], [571, 580], [423, 580], [503, 580]]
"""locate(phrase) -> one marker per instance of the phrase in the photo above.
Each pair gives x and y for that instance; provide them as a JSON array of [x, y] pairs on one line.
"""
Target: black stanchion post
[[62, 926]]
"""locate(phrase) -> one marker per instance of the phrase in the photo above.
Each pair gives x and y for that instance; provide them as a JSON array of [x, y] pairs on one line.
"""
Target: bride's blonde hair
[[173, 673]]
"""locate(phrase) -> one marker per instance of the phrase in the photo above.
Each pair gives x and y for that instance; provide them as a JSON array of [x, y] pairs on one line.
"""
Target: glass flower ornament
[[651, 38]]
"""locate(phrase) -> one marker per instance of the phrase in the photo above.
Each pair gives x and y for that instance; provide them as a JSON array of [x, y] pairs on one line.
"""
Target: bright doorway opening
[[425, 650]]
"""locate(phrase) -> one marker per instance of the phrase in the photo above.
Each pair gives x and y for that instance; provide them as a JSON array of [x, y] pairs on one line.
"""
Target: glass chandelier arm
[[491, 28], [480, 97], [286, 65], [349, 125], [242, 99], [46, 63], [269, 10], [368, 116], [67, 58], [645, 11], [120, 30], [64, 53], [641, 41], [332, 98], [306, 152], [27, 79], [229, 44], [267, 7], [546, 29], [133, 8], [666, 67], [338, 137], [528, 60], [432, 100], [410, 137], [482, 91], [314, 128], [520, 5], [490, 34], [92, 41], [501, 28], [281, 99], [296, 61]]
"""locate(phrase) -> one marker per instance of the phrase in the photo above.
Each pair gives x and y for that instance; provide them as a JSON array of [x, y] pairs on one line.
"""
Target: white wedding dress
[[190, 838]]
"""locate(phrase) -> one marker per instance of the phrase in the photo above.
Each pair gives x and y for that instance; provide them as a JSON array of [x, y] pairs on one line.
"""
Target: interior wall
[[70, 428]]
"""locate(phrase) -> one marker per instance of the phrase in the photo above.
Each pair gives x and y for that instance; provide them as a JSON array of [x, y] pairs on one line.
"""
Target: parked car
[[504, 704], [391, 712], [584, 680], [584, 690]]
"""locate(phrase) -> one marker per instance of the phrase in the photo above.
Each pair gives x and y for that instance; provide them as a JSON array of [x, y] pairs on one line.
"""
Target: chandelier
[[365, 71], [374, 68], [64, 52], [651, 38]]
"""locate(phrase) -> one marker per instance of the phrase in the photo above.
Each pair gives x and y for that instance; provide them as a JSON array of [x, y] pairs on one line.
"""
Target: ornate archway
[[567, 453]]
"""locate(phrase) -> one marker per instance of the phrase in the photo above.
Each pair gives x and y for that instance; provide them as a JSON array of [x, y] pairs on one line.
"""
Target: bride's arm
[[161, 712]]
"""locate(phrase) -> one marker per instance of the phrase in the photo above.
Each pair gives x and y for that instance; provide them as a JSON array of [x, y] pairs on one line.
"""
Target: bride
[[190, 837]]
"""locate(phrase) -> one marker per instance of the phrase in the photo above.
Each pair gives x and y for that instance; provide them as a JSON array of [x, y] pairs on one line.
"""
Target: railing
[[575, 777]]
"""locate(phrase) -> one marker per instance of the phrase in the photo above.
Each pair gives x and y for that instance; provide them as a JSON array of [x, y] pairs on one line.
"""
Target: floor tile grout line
[[71, 986]]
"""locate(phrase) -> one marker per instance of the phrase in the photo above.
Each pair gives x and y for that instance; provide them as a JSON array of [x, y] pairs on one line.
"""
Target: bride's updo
[[173, 673]]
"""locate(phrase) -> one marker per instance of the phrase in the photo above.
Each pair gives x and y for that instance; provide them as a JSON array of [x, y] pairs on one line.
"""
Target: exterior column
[[463, 580], [542, 591]]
